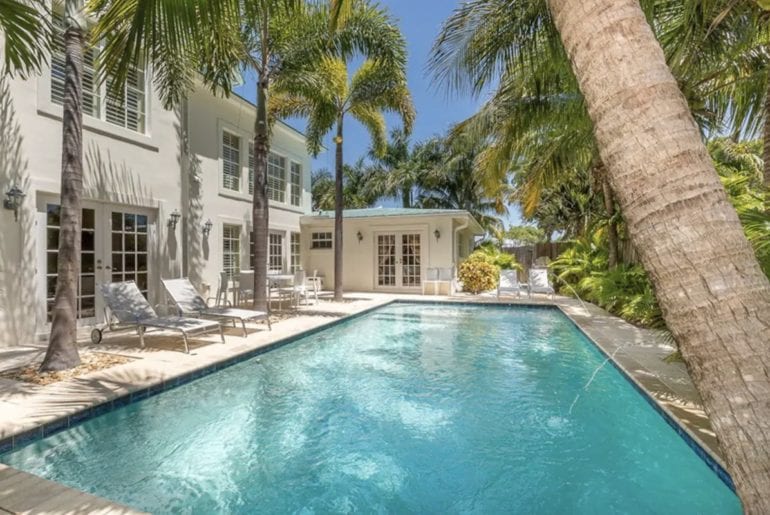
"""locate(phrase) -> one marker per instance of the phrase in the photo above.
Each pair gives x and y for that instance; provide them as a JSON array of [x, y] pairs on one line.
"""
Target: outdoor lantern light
[[13, 200], [174, 219], [207, 228], [437, 234], [359, 236]]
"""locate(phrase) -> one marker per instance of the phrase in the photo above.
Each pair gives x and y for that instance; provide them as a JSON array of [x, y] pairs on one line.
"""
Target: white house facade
[[153, 178]]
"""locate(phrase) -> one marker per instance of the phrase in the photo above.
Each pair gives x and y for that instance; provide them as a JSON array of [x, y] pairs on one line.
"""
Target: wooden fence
[[528, 255]]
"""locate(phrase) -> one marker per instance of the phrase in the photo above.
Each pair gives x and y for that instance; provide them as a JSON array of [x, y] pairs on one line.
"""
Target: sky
[[420, 22]]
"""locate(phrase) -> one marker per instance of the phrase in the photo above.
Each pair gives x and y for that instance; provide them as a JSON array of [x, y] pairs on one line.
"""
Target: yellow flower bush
[[478, 275]]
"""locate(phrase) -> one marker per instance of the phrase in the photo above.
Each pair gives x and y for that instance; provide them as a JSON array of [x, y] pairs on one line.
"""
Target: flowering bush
[[478, 275]]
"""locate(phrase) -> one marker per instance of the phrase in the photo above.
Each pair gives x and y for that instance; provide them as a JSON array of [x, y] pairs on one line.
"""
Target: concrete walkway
[[30, 411]]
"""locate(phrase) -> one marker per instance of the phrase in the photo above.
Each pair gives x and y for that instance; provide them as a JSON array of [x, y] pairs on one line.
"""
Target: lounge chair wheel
[[96, 336]]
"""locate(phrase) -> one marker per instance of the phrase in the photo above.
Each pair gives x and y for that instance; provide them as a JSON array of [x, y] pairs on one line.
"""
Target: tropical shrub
[[478, 275], [625, 291], [489, 253]]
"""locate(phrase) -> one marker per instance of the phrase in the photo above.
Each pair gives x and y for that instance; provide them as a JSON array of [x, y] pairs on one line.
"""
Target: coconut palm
[[325, 94], [357, 192], [714, 296]]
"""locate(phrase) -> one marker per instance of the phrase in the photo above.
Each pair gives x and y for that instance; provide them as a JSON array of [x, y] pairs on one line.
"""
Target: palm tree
[[62, 352], [26, 29], [325, 94], [714, 296], [357, 192], [218, 40], [453, 183]]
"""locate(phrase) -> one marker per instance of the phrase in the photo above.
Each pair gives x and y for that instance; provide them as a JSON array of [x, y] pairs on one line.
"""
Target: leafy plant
[[489, 253], [478, 275]]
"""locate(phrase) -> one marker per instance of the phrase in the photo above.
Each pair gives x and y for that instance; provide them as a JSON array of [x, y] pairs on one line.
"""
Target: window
[[251, 167], [275, 252], [294, 252], [276, 178], [231, 161], [295, 182], [231, 249], [91, 93], [321, 240], [127, 110]]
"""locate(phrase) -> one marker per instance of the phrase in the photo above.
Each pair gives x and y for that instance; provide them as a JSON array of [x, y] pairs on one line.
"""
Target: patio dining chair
[[431, 278]]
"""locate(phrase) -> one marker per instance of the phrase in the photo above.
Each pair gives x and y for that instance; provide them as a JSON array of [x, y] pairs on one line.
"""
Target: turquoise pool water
[[410, 408]]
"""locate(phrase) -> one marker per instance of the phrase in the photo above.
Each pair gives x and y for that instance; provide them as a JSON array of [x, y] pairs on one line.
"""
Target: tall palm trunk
[[338, 206], [406, 196], [260, 211], [766, 135], [612, 224], [62, 350], [714, 297]]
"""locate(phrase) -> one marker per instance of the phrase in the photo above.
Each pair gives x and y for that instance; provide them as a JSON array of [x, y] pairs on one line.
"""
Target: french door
[[115, 246], [398, 260]]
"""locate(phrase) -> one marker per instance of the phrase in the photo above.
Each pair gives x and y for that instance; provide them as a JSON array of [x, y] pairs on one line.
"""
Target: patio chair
[[190, 302], [509, 283], [431, 278], [224, 283], [299, 289], [539, 283], [245, 285], [312, 283], [127, 304]]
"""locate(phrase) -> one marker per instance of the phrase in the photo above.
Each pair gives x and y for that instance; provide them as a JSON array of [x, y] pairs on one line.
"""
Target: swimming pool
[[409, 408]]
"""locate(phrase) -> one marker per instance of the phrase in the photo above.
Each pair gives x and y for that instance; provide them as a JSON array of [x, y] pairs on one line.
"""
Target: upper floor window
[[276, 177], [295, 184], [231, 161], [98, 100]]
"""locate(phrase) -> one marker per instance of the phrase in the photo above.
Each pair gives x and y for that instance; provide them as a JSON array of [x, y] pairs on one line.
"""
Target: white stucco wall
[[150, 174], [359, 257]]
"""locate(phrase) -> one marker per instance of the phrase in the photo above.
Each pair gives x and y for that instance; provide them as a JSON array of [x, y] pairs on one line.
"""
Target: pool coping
[[96, 408]]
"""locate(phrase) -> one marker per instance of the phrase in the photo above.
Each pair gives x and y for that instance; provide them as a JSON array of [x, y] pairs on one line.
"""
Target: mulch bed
[[90, 362]]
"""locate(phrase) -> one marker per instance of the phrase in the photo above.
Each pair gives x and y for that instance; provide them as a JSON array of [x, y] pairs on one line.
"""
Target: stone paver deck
[[25, 409]]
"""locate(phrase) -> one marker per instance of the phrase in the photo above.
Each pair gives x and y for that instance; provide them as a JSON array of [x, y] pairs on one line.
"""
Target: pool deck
[[29, 411]]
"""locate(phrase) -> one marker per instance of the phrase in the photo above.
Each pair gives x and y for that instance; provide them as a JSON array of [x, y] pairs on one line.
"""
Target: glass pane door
[[410, 260], [129, 256], [86, 296], [386, 260]]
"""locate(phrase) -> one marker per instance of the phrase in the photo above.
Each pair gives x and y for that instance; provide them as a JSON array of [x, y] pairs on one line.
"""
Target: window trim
[[99, 123], [222, 160], [237, 254], [316, 240], [293, 162], [293, 267]]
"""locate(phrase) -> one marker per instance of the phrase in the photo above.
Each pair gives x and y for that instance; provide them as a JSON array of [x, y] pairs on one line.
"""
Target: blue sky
[[420, 21]]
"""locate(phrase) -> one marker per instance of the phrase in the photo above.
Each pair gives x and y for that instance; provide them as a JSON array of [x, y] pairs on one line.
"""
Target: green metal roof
[[389, 211]]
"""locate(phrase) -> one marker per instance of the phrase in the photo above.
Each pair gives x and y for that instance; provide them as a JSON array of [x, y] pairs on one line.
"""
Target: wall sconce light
[[14, 196], [174, 218], [359, 236], [437, 234], [207, 228]]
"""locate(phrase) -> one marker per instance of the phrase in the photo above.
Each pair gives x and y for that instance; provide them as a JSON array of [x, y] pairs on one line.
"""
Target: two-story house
[[153, 180]]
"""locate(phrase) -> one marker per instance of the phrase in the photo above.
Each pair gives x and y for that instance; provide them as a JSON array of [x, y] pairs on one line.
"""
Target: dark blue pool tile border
[[11, 443], [670, 419]]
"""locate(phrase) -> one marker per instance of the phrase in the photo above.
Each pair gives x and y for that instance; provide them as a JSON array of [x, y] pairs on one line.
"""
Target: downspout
[[459, 228]]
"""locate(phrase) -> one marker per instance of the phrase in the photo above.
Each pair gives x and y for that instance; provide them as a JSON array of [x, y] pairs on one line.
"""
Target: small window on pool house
[[321, 240]]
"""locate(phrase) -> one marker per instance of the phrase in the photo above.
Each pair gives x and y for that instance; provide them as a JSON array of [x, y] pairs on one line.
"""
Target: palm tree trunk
[[338, 206], [62, 350], [714, 297], [766, 135], [260, 211], [612, 225], [406, 196]]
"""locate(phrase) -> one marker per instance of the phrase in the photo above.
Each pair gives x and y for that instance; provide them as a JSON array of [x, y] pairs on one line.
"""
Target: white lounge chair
[[190, 302], [127, 304], [538, 282], [509, 283]]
